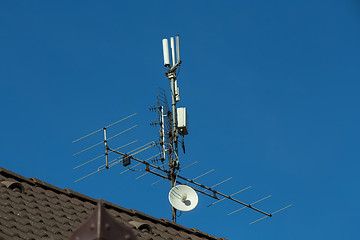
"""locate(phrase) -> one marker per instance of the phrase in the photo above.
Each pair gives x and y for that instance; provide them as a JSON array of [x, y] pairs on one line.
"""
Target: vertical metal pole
[[106, 150], [174, 135], [174, 112], [173, 151], [173, 164], [163, 132]]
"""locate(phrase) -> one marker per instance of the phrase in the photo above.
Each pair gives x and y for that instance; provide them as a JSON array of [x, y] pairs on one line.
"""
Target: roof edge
[[189, 230], [36, 182], [15, 175]]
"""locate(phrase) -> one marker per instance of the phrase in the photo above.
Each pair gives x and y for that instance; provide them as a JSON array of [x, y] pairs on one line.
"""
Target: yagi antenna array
[[173, 128], [110, 163]]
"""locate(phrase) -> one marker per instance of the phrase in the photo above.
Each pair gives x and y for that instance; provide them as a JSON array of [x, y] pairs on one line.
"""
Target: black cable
[[178, 71], [136, 170]]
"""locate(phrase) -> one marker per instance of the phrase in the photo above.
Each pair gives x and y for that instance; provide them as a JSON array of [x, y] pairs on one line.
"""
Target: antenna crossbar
[[93, 159], [104, 140], [230, 196], [204, 174], [157, 182], [88, 175], [271, 214], [103, 128], [139, 163], [116, 161], [221, 182], [251, 204], [88, 148], [180, 170], [188, 166], [122, 132]]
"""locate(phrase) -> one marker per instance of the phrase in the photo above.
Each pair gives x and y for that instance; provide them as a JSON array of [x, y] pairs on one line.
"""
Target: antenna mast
[[174, 163], [173, 125]]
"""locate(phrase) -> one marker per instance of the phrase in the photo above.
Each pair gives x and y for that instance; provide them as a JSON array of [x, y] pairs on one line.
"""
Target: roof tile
[[44, 211]]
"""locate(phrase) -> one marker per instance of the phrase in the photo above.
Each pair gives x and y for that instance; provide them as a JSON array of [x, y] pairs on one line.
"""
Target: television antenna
[[173, 127]]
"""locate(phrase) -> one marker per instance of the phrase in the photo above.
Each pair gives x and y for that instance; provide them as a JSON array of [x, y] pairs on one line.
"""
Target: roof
[[33, 209]]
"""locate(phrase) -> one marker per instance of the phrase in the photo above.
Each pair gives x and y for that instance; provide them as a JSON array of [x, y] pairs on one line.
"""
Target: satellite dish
[[183, 198]]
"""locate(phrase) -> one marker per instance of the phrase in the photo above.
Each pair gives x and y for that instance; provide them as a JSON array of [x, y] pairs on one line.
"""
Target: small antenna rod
[[177, 49]]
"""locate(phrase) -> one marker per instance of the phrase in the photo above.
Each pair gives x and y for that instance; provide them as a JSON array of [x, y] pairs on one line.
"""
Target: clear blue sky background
[[271, 87]]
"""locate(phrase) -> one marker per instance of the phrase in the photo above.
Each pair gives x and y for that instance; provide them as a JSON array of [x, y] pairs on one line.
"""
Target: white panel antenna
[[177, 48], [165, 44], [172, 44]]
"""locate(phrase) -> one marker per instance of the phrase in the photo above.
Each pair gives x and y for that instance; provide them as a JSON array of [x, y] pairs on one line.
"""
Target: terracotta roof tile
[[43, 211]]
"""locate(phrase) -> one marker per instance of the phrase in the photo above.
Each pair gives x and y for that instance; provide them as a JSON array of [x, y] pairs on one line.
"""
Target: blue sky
[[271, 88]]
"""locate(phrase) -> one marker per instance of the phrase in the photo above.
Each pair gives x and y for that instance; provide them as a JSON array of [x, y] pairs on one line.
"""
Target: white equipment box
[[182, 121]]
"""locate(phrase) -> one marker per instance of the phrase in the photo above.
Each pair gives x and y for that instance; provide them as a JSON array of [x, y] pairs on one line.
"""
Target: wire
[[178, 71], [134, 170]]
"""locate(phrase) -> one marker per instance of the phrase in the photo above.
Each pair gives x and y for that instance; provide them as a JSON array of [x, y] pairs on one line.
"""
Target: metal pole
[[172, 78], [106, 149], [163, 133], [173, 162]]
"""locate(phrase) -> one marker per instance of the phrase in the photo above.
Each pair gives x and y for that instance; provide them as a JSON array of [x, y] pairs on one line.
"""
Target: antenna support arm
[[106, 149]]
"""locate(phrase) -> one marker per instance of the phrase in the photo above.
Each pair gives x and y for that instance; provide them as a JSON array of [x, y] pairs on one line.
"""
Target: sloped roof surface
[[33, 209]]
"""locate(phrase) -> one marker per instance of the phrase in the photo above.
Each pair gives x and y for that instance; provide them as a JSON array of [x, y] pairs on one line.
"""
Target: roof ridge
[[15, 175]]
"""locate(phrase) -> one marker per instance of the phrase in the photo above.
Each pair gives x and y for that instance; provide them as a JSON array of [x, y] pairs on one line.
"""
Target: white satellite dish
[[183, 198]]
